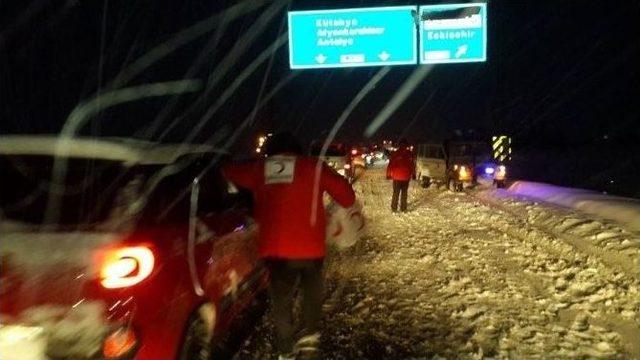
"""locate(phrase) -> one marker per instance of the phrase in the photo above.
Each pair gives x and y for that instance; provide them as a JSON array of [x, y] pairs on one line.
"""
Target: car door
[[232, 265]]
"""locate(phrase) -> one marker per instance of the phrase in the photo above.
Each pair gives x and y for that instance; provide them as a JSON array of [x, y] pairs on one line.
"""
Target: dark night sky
[[559, 71]]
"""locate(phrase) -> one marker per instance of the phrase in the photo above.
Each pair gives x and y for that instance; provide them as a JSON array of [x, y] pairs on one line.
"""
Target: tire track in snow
[[527, 272], [618, 252], [608, 298], [457, 279]]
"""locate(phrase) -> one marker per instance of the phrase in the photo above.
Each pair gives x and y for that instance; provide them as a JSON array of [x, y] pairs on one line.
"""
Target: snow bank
[[622, 210]]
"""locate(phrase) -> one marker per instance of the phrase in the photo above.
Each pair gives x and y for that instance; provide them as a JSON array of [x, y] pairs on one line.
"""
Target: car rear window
[[91, 189]]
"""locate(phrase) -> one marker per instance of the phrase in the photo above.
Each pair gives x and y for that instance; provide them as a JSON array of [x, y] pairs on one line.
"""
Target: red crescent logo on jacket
[[281, 167]]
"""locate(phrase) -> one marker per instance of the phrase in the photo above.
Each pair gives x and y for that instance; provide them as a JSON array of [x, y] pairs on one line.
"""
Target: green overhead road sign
[[453, 33]]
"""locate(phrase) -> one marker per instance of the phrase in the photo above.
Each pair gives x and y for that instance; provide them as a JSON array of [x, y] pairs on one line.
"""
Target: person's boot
[[308, 347]]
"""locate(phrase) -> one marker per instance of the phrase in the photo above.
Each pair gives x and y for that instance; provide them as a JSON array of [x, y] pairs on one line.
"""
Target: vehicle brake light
[[501, 174], [464, 173], [126, 266], [119, 343]]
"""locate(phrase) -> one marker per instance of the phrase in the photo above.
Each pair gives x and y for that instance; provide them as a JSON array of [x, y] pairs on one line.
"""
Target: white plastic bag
[[344, 226]]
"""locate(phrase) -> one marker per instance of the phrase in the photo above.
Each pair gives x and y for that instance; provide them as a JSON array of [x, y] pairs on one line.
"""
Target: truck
[[459, 164]]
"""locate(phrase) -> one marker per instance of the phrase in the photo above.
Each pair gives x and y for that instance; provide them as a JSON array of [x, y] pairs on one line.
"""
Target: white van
[[431, 164]]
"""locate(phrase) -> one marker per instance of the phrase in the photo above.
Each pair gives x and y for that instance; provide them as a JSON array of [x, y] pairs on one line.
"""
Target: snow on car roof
[[129, 151]]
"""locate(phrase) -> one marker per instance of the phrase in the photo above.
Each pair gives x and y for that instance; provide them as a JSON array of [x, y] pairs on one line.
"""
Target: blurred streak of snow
[[406, 90], [85, 110], [182, 38], [231, 89], [366, 89]]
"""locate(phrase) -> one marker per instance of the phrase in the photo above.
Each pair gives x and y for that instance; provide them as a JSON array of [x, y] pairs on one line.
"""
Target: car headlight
[[501, 172]]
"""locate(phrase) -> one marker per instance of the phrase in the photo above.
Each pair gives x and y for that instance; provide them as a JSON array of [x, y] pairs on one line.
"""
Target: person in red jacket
[[288, 193], [400, 170]]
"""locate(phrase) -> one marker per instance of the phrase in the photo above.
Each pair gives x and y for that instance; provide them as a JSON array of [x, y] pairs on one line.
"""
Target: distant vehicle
[[376, 157], [336, 156], [147, 252], [461, 163], [469, 161], [358, 156], [431, 164]]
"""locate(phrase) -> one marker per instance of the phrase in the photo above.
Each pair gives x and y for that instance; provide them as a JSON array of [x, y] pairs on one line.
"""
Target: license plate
[[19, 342]]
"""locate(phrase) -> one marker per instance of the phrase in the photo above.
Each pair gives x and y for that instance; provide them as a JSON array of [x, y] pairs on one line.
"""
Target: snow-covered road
[[462, 277]]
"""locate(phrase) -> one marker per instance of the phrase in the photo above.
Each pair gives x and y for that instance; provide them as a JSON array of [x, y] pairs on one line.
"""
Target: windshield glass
[[437, 179]]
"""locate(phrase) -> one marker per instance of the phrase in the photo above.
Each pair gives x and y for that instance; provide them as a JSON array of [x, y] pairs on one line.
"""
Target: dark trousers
[[399, 189], [286, 277]]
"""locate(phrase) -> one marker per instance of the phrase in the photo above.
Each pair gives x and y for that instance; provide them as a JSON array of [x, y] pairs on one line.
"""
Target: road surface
[[462, 277]]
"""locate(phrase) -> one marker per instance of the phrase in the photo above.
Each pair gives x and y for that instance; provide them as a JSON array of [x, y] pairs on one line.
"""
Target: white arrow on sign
[[462, 50], [384, 56], [321, 59]]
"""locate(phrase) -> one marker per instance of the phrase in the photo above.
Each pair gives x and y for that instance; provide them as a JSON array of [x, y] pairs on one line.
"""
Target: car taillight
[[501, 174], [126, 266], [464, 173], [119, 343]]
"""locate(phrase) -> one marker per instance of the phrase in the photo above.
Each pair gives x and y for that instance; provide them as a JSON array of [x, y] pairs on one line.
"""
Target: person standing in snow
[[400, 170], [288, 193]]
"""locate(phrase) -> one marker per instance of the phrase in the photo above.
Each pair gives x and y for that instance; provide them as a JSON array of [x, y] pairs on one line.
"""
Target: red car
[[134, 250]]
